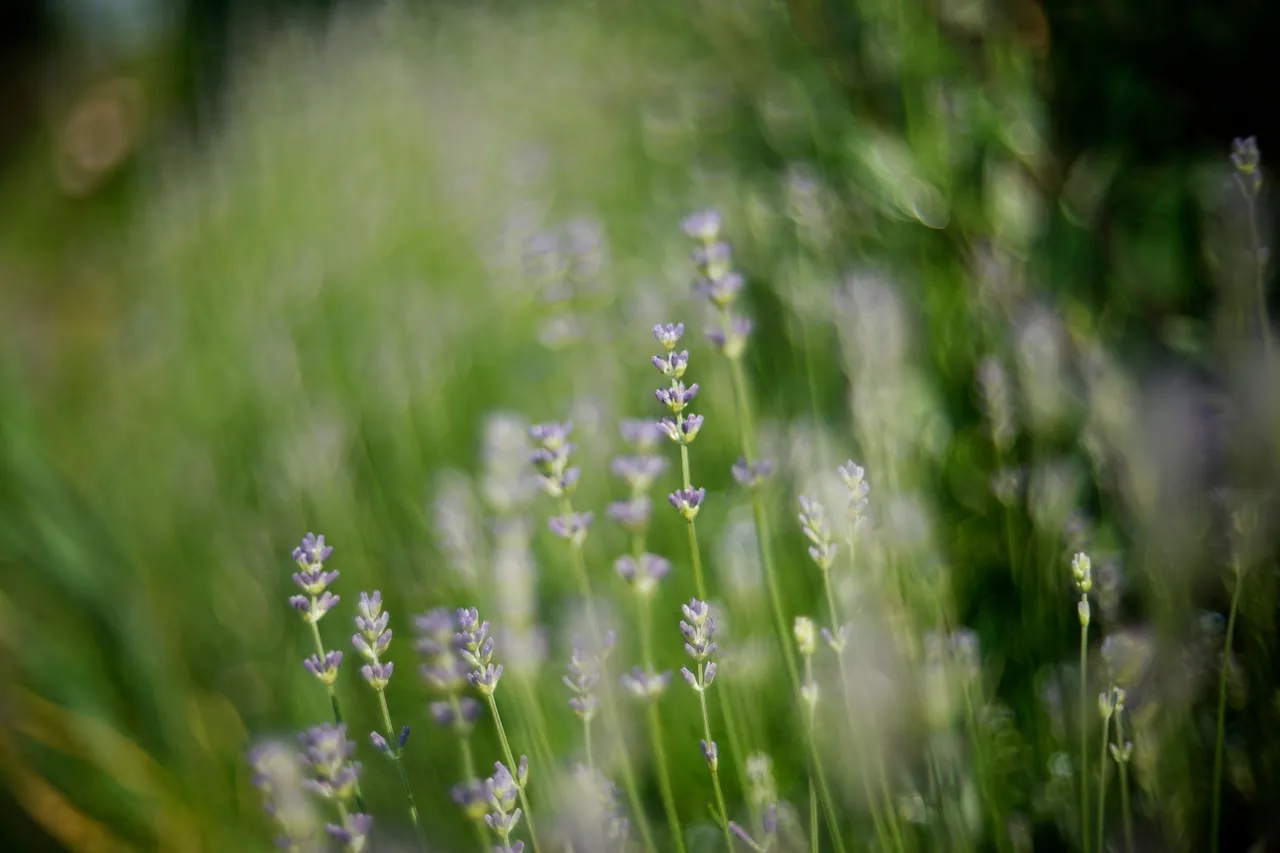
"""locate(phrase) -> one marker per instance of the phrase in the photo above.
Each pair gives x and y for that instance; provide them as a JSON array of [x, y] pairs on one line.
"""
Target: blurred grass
[[299, 321]]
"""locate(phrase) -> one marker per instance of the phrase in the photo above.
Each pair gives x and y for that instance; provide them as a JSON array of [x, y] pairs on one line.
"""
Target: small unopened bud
[[1083, 609], [806, 636]]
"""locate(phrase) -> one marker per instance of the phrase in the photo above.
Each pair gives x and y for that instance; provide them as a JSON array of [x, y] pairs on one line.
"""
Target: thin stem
[[1102, 781], [1124, 784], [699, 584], [511, 765], [859, 756], [813, 814], [333, 700], [819, 774], [397, 755], [538, 727], [611, 715], [1084, 734], [715, 775], [654, 720], [586, 737], [468, 766], [1222, 712], [1260, 267]]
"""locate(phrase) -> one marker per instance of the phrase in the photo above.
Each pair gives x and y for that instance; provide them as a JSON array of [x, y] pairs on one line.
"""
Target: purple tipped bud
[[750, 475], [721, 292], [687, 501], [379, 742], [312, 551], [730, 339], [668, 334], [704, 225], [711, 754]]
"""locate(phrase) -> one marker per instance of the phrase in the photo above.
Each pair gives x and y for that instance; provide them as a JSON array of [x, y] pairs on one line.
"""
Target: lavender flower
[[373, 639], [572, 526], [698, 628], [646, 685], [677, 396], [704, 226], [721, 292], [639, 472], [596, 800], [353, 834], [681, 430], [444, 670], [476, 648], [813, 522], [641, 435], [551, 458], [326, 668], [632, 515], [730, 337], [668, 334], [504, 791], [472, 797], [643, 574], [1246, 158], [312, 579], [750, 475], [278, 776], [687, 501], [326, 754], [582, 679], [855, 480]]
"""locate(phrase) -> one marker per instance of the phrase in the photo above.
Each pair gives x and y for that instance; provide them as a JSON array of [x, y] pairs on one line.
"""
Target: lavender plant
[[333, 776], [371, 642], [475, 646], [699, 643], [504, 790], [445, 673], [643, 572], [559, 480], [1082, 572], [721, 286], [277, 774]]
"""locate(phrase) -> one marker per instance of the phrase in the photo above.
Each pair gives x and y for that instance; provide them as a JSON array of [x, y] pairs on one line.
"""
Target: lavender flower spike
[[668, 334]]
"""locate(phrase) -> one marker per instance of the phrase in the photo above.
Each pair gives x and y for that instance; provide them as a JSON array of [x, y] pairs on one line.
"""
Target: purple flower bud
[[551, 435], [312, 551], [730, 339], [639, 472], [472, 797], [709, 675], [711, 754], [485, 679], [378, 674], [673, 364], [677, 396], [314, 581], [403, 738], [572, 527], [668, 334], [687, 501], [714, 261], [632, 515], [353, 835], [648, 686], [379, 742], [721, 292], [703, 225], [327, 669], [641, 435], [643, 575], [750, 475]]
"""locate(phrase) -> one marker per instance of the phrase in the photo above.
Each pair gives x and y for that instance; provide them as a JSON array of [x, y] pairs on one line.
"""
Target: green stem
[[813, 813], [538, 726], [1260, 267], [819, 774], [1102, 782], [586, 737], [746, 434], [859, 757], [1084, 734], [1222, 713], [654, 720], [397, 755], [1124, 786], [333, 700], [511, 765], [468, 767], [723, 814], [611, 714]]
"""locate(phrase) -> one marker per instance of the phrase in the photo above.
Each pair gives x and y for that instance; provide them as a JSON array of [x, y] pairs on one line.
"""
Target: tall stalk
[[1081, 570], [1219, 738]]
